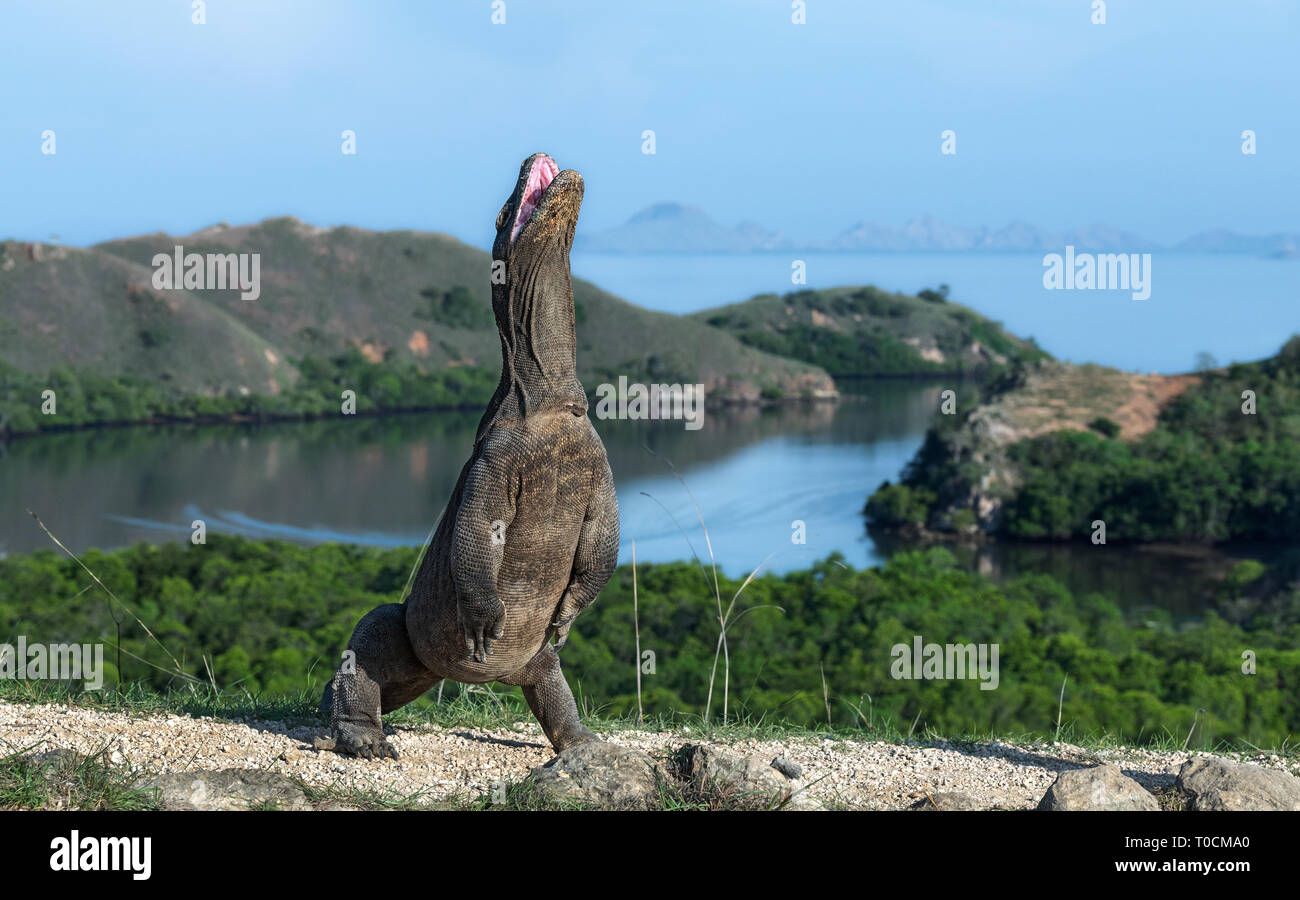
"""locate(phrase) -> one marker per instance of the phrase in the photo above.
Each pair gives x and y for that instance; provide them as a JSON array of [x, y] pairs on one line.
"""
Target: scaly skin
[[530, 535]]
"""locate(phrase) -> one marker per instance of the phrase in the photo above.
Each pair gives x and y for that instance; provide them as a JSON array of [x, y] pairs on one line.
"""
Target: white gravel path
[[442, 764]]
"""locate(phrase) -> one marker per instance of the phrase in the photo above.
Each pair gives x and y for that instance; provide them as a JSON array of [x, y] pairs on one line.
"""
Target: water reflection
[[384, 481], [754, 472]]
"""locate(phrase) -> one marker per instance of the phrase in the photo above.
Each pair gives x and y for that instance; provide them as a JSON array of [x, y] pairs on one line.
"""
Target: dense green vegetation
[[457, 307], [864, 331], [84, 398], [1207, 472], [842, 354], [935, 296], [270, 618]]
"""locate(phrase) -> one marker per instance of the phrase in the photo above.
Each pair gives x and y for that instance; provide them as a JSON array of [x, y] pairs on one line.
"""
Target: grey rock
[[1212, 783], [719, 774], [787, 767], [227, 789], [1102, 787], [59, 760], [802, 801], [599, 774], [944, 801]]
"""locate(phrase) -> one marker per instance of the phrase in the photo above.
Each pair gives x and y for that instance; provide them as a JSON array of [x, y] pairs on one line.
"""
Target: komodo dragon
[[530, 534]]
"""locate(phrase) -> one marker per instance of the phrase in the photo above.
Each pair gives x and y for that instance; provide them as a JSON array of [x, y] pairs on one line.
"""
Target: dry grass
[[1060, 396]]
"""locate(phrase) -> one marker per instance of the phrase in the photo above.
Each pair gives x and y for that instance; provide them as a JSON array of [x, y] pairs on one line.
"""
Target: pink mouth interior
[[541, 174]]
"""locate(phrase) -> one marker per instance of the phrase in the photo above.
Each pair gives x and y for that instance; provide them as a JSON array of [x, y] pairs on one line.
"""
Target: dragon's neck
[[535, 321]]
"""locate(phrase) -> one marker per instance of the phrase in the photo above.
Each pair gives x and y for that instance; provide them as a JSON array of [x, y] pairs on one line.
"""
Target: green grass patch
[[66, 780]]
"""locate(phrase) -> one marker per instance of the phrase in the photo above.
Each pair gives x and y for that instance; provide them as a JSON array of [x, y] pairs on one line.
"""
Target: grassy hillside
[[413, 306], [1054, 448], [67, 306], [862, 331], [270, 618]]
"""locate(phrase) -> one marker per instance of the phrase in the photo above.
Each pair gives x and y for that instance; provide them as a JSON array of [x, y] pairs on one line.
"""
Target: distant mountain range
[[678, 228], [674, 228]]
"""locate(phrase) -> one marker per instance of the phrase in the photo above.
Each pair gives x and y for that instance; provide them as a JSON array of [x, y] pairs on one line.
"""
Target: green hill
[[863, 331], [90, 308], [1053, 449], [401, 317]]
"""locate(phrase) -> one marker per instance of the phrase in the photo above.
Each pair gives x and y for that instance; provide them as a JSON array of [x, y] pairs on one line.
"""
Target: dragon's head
[[533, 302]]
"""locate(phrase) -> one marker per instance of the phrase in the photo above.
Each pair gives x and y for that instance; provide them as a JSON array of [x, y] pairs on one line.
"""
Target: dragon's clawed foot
[[564, 616], [367, 743], [562, 627], [481, 629]]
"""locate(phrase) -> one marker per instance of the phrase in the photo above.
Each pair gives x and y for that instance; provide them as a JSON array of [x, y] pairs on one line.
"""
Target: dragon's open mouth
[[540, 175]]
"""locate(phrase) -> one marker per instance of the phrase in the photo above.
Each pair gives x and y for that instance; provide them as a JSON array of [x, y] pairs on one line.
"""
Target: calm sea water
[[751, 473], [1237, 308], [383, 482]]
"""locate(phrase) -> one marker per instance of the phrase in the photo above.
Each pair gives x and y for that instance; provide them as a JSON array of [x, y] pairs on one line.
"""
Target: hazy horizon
[[811, 245]]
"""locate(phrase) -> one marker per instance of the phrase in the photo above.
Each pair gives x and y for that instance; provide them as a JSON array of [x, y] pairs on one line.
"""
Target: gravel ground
[[441, 764]]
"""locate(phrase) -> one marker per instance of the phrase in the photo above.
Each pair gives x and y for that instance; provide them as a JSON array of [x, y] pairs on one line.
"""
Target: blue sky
[[166, 125]]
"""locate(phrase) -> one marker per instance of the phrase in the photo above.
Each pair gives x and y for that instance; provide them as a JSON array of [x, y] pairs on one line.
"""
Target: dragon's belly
[[530, 584], [551, 493]]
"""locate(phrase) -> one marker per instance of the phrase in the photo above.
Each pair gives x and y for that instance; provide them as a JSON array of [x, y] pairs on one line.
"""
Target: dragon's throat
[[544, 325]]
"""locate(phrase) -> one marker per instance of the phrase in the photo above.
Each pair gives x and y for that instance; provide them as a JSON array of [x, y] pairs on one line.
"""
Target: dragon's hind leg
[[379, 673], [551, 701]]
